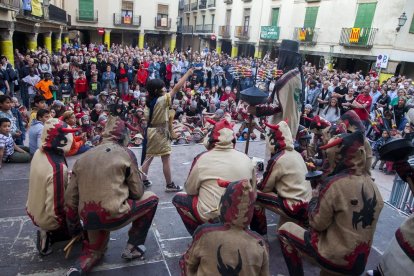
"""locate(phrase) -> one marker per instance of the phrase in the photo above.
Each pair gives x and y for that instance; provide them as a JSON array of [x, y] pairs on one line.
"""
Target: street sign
[[354, 36], [101, 31], [382, 61], [269, 33]]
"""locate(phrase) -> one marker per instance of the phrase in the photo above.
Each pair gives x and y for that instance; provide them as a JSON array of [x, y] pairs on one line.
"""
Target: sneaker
[[147, 183], [43, 244], [73, 272], [130, 252], [172, 188]]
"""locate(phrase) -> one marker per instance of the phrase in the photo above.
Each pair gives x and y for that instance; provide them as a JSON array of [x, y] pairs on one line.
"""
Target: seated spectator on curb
[[9, 151]]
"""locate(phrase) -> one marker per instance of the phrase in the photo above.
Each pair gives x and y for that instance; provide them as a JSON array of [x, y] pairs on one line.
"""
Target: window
[[246, 22], [204, 20], [86, 10], [162, 11], [275, 17], [365, 15], [127, 11], [228, 17], [412, 26], [310, 17], [212, 19]]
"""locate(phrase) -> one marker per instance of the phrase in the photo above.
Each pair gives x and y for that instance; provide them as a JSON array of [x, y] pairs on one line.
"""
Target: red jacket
[[168, 75], [81, 86], [142, 76]]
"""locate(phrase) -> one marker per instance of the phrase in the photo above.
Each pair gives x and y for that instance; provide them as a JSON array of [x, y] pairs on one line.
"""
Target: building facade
[[25, 25], [130, 22], [348, 34]]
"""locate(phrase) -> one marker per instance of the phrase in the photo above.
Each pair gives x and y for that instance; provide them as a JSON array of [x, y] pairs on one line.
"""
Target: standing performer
[[209, 169], [157, 140], [343, 214], [228, 247], [288, 94], [283, 189], [398, 259], [47, 184], [108, 197]]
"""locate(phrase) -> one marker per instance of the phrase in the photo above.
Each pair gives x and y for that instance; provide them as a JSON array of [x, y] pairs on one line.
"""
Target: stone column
[[258, 51], [141, 40], [57, 42], [234, 50], [173, 42], [107, 38], [32, 41], [48, 41], [218, 47], [6, 45]]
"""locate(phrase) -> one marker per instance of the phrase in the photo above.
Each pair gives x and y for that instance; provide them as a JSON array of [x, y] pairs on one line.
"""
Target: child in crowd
[[66, 90], [81, 88], [9, 151]]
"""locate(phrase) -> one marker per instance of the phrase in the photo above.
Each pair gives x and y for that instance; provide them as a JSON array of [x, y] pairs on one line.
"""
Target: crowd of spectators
[[82, 84]]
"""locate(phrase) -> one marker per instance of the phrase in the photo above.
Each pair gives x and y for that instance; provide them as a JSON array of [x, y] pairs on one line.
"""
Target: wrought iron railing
[[202, 4], [10, 4], [211, 3], [87, 16], [188, 29], [225, 31], [57, 14], [187, 7], [358, 37], [162, 23], [206, 28], [121, 20], [194, 6], [242, 32], [306, 35]]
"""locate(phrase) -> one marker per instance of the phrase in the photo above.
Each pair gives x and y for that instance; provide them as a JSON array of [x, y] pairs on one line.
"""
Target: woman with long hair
[[332, 113], [157, 136]]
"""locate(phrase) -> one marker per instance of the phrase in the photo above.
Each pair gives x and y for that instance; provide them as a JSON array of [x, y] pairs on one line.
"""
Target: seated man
[[200, 204], [343, 214], [283, 189], [47, 183], [107, 197], [228, 247]]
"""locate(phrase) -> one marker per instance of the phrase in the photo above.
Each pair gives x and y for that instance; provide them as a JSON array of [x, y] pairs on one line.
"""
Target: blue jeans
[[24, 94], [402, 124], [123, 88], [83, 149]]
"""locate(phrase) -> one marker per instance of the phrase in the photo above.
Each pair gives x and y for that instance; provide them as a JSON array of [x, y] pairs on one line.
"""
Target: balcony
[[204, 29], [13, 5], [57, 14], [224, 31], [194, 6], [181, 5], [87, 16], [202, 4], [162, 23], [358, 37], [242, 32], [125, 21], [306, 36], [187, 8], [188, 29], [228, 1], [211, 4]]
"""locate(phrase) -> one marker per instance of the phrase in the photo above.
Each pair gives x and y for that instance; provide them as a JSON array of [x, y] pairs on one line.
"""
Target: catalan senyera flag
[[302, 34], [354, 36]]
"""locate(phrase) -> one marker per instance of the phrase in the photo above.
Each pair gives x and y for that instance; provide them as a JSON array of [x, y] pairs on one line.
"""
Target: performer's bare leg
[[166, 168], [146, 166]]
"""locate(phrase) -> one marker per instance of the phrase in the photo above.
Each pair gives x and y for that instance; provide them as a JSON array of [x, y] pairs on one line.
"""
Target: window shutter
[[412, 26], [275, 16], [162, 9], [128, 5], [310, 17], [365, 15]]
